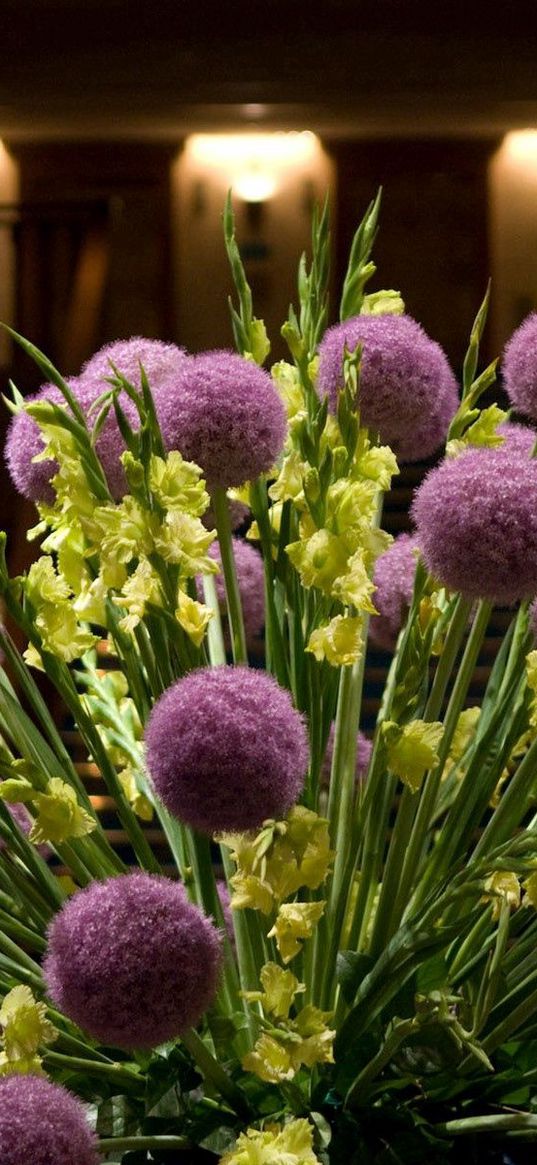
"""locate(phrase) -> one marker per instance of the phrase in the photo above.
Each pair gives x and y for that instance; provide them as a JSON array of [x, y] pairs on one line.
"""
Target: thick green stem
[[488, 1124], [340, 816], [119, 1073], [214, 1073], [233, 599], [358, 1092]]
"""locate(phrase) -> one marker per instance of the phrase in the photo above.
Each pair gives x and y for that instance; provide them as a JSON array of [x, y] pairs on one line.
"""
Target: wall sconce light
[[253, 164]]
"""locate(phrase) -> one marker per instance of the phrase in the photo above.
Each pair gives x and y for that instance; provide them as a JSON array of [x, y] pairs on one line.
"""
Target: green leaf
[[351, 969]]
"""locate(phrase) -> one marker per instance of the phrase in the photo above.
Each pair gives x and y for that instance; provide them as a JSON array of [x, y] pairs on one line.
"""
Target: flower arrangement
[[338, 965]]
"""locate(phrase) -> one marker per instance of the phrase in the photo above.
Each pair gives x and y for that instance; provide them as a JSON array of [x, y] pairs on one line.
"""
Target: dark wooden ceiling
[[81, 68]]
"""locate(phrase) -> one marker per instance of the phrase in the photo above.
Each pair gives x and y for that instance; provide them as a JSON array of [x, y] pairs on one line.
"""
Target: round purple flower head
[[251, 580], [132, 961], [476, 525], [159, 360], [364, 748], [224, 413], [394, 580], [43, 1124], [408, 392], [519, 439], [520, 367], [226, 749], [24, 441]]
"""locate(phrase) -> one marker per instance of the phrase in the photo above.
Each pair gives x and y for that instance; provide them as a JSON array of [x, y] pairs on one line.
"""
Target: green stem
[[213, 1072], [233, 599], [115, 1072], [416, 841], [340, 815], [275, 643], [358, 1092], [500, 1123]]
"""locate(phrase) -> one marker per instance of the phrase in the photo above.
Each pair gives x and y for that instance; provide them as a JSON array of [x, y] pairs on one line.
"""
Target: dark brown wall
[[432, 243]]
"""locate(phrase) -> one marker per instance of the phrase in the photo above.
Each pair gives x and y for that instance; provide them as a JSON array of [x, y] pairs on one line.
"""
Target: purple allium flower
[[517, 438], [24, 441], [251, 580], [41, 1123], [408, 391], [520, 367], [132, 961], [394, 580], [476, 523], [226, 749], [224, 413], [238, 514], [158, 359], [364, 748]]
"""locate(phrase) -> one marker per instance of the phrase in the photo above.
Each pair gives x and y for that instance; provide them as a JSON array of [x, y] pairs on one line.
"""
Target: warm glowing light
[[222, 149], [521, 146], [253, 164]]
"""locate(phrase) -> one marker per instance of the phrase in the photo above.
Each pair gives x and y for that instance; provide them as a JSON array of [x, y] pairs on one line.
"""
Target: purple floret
[[251, 580], [520, 367], [408, 392], [43, 1124], [24, 441], [158, 358], [394, 580], [517, 438], [224, 413], [364, 748], [476, 524], [132, 961], [226, 749]]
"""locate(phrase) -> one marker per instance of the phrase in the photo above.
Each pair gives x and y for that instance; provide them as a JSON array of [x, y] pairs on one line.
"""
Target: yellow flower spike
[[291, 1144], [287, 380], [383, 303], [309, 838], [530, 891], [139, 589], [377, 462], [183, 540], [319, 560], [289, 483], [350, 502], [193, 617], [339, 641], [269, 1060], [125, 531], [178, 484], [464, 732], [251, 892], [59, 815], [294, 924], [279, 990], [355, 587], [412, 750], [502, 886], [136, 797], [61, 634], [26, 1066], [25, 1026], [44, 585], [317, 1042]]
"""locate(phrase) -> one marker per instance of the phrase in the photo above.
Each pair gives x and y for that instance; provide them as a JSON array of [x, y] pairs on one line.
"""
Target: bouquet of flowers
[[338, 962]]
